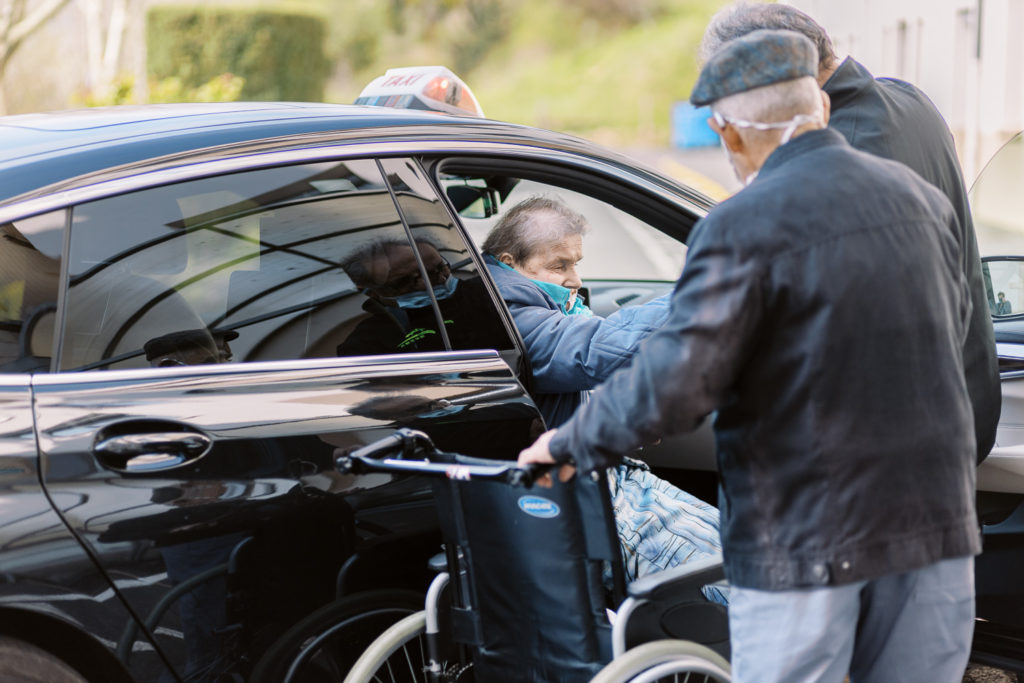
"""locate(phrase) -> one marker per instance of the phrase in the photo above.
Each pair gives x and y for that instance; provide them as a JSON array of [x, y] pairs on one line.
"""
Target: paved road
[[985, 674]]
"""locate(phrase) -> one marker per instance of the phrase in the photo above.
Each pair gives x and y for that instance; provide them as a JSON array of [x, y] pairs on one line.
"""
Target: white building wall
[[967, 55]]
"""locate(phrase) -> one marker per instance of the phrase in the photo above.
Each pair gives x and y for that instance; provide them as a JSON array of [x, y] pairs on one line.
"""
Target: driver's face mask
[[420, 298]]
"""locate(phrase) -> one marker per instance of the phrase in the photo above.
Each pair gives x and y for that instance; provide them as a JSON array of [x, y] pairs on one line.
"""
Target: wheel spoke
[[408, 661]]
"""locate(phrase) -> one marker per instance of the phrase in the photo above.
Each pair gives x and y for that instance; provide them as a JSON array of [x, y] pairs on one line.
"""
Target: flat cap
[[225, 334], [756, 59], [184, 340]]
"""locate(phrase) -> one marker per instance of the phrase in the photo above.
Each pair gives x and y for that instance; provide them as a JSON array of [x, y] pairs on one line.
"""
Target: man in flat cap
[[842, 419], [190, 347], [895, 120]]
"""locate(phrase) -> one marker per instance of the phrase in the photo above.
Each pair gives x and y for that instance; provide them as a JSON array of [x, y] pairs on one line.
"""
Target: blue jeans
[[913, 627]]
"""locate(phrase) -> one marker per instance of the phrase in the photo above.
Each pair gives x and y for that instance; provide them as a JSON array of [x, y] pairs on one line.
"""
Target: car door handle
[[151, 451]]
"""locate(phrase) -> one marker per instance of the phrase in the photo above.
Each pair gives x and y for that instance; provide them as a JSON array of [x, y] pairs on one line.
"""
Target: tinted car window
[[30, 262], [471, 319], [242, 267]]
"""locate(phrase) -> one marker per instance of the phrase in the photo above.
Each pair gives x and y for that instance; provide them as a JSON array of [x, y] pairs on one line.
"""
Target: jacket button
[[820, 573], [845, 565]]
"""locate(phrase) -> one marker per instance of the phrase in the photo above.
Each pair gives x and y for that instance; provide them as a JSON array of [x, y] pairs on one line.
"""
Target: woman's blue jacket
[[570, 354]]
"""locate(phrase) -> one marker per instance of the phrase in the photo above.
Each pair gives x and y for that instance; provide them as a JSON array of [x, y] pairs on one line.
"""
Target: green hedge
[[279, 54]]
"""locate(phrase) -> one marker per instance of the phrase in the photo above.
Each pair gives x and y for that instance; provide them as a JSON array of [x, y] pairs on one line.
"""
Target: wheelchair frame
[[550, 550]]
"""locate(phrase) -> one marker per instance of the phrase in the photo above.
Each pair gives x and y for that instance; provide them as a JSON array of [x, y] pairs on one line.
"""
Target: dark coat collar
[[811, 140], [847, 82]]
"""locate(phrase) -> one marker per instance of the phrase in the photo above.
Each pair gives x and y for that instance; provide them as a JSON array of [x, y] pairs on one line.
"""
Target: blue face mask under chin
[[561, 296], [559, 293], [421, 299]]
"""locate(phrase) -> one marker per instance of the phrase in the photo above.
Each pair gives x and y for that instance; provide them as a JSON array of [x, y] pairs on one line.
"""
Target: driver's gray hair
[[357, 263], [740, 19], [527, 227]]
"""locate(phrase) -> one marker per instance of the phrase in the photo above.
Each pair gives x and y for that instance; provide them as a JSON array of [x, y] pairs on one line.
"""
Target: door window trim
[[572, 178]]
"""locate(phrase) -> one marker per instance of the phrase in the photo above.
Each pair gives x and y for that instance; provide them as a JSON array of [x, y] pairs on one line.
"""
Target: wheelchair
[[526, 581]]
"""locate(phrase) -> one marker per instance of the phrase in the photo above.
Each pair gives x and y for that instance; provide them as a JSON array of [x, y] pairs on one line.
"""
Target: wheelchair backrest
[[529, 592]]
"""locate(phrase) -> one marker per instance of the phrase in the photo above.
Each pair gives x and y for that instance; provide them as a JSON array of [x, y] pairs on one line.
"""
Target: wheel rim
[[697, 670]]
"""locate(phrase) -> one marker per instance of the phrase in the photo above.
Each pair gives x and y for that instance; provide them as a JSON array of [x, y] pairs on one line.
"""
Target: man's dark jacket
[[895, 120], [844, 428]]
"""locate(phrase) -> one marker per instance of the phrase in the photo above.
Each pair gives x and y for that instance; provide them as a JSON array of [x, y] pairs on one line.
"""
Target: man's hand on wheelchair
[[538, 454]]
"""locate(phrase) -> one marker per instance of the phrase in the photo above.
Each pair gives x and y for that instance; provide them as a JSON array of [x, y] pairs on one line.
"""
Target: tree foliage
[[279, 54], [18, 20]]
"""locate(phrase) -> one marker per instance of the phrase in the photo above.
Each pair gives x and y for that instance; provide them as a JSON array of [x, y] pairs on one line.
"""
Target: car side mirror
[[1004, 285]]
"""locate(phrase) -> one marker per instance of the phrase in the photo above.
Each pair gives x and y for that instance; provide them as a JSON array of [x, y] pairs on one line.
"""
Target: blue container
[[690, 126]]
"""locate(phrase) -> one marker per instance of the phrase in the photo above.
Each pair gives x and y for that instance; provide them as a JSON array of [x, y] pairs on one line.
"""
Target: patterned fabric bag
[[661, 526]]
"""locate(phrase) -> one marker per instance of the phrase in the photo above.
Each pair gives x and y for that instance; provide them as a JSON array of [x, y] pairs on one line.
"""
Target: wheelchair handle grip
[[525, 476], [408, 451], [403, 443]]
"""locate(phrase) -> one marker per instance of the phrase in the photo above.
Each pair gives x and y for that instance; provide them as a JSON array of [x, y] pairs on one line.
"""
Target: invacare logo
[[538, 507]]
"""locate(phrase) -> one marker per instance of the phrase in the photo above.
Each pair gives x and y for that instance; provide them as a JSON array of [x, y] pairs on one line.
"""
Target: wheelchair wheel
[[666, 660], [323, 646], [399, 654]]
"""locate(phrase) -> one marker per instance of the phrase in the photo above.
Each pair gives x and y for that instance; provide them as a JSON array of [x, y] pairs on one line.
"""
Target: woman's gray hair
[[742, 18], [532, 224]]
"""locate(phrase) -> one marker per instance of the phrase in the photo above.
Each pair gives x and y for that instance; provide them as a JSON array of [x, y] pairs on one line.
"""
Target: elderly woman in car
[[532, 254]]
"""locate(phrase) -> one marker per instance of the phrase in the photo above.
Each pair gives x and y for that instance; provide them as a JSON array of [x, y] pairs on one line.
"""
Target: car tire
[[324, 645], [22, 662]]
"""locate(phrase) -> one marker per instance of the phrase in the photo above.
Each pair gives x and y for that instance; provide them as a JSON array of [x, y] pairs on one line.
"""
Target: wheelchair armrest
[[682, 581]]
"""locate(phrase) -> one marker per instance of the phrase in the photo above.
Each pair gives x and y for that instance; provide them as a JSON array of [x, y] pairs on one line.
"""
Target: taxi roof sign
[[433, 88]]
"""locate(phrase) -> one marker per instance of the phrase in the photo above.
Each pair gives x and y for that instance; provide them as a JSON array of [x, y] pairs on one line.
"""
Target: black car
[[187, 344], [188, 340]]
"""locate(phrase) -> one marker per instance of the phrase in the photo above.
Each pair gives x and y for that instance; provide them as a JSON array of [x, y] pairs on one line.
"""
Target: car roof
[[43, 154], [41, 149]]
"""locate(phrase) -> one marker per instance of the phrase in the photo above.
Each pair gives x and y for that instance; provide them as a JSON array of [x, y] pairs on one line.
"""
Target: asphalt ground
[[703, 168], [986, 674]]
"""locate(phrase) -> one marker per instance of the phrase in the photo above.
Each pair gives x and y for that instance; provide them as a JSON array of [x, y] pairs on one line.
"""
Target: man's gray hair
[[527, 227], [772, 103], [742, 18]]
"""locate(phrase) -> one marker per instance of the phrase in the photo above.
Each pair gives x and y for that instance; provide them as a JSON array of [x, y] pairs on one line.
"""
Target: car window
[[261, 265], [618, 246], [470, 315], [30, 254]]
